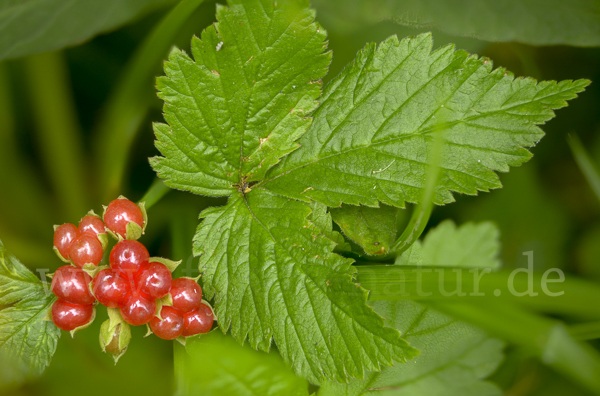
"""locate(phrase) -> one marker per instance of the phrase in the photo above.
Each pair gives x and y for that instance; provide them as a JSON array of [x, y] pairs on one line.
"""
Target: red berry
[[86, 249], [64, 236], [187, 295], [138, 310], [67, 316], [170, 327], [154, 280], [198, 321], [72, 285], [110, 290], [119, 213], [127, 257], [91, 225]]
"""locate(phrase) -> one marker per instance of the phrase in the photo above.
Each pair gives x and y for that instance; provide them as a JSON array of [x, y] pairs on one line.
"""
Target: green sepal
[[92, 269], [103, 238], [181, 340], [211, 308], [166, 300], [60, 255], [85, 326], [142, 206], [170, 264], [115, 335], [116, 236], [148, 331], [134, 231]]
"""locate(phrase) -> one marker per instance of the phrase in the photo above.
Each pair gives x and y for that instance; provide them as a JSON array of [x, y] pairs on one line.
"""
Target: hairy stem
[[422, 212], [155, 193]]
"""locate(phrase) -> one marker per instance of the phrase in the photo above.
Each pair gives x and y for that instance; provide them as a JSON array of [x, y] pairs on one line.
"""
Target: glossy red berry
[[155, 280], [64, 235], [86, 249], [119, 213], [91, 225], [72, 285], [187, 295], [110, 290], [171, 325], [127, 257], [138, 310], [198, 321], [67, 316]]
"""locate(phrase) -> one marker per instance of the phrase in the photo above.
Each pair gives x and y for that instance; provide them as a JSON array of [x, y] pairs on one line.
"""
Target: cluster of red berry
[[140, 288]]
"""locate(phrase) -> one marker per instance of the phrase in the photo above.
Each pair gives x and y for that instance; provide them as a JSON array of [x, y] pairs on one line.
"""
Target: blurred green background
[[56, 147]]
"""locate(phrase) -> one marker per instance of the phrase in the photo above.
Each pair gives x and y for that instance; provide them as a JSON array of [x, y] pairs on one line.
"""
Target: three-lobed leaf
[[273, 275], [27, 342], [372, 136], [236, 108], [241, 105]]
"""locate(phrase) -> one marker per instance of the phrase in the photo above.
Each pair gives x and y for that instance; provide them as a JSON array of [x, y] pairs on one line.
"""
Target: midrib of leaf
[[417, 133], [23, 324], [199, 110], [307, 276]]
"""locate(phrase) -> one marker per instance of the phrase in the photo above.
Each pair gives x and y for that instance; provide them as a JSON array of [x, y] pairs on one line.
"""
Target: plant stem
[[127, 106], [155, 193], [393, 282], [547, 338], [422, 212], [585, 331], [59, 135], [585, 163]]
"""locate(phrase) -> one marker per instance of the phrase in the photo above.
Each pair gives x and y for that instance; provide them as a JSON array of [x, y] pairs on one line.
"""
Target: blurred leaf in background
[[215, 364], [34, 26], [526, 21]]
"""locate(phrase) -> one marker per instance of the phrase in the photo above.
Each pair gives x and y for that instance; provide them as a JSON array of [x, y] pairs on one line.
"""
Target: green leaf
[[371, 138], [239, 106], [29, 27], [233, 370], [16, 281], [454, 361], [468, 246], [322, 220], [27, 342], [374, 229], [273, 276], [551, 22]]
